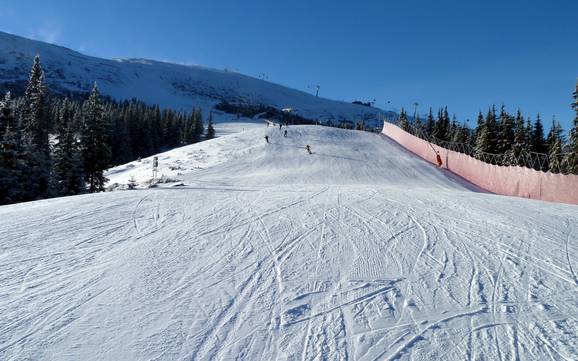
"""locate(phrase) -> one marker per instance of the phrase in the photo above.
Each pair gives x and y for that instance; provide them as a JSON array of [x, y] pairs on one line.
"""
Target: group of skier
[[307, 146]]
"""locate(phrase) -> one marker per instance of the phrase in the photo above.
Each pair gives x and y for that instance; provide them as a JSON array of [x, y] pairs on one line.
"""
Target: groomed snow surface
[[359, 251]]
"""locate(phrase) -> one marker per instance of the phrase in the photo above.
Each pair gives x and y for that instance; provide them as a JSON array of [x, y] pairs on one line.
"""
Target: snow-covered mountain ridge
[[170, 85]]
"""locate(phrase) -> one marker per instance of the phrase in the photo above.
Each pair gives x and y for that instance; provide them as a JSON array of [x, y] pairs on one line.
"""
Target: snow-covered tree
[[418, 125], [572, 157], [479, 125], [34, 120], [453, 129], [403, 121], [95, 147], [131, 183], [486, 140], [529, 130], [7, 118], [35, 127], [483, 142], [519, 150], [538, 141], [461, 135], [429, 123], [556, 133], [506, 132], [555, 164]]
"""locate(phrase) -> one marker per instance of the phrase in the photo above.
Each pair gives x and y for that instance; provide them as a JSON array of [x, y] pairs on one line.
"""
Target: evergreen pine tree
[[156, 132], [442, 126], [36, 148], [125, 151], [146, 121], [95, 147], [506, 132], [492, 130], [188, 133], [529, 131], [11, 168], [486, 141], [554, 142], [556, 133], [480, 124], [453, 131], [131, 183], [418, 126], [519, 150], [555, 164], [171, 129], [571, 160], [68, 178], [538, 141], [120, 145], [403, 121], [11, 164], [483, 143], [199, 127], [429, 124], [460, 136], [470, 140], [210, 128], [538, 145], [34, 122], [446, 124], [6, 113]]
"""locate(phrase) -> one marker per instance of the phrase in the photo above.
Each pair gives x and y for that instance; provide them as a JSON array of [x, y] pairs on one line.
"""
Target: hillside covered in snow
[[259, 251], [170, 85]]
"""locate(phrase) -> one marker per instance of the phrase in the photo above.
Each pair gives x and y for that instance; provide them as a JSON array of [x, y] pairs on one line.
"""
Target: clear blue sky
[[463, 54]]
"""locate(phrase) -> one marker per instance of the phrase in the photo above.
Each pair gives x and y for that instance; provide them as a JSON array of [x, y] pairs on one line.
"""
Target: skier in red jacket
[[439, 159]]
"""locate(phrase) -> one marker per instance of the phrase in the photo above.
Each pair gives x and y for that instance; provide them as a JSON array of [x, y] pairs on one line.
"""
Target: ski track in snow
[[357, 252]]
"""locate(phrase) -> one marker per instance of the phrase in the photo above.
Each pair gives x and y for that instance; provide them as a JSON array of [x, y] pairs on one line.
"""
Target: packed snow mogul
[[267, 138], [308, 149]]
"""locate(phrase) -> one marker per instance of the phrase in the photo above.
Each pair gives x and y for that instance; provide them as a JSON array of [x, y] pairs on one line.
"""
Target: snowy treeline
[[57, 147], [503, 138]]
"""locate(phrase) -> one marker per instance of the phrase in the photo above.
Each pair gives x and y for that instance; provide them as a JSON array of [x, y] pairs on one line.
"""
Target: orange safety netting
[[505, 180]]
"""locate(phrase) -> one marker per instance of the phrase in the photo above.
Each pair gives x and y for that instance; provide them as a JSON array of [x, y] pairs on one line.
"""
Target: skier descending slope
[[267, 138], [285, 133], [308, 149], [439, 159]]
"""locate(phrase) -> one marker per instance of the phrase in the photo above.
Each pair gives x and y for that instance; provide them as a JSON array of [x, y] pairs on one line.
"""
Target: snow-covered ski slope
[[359, 251], [170, 85]]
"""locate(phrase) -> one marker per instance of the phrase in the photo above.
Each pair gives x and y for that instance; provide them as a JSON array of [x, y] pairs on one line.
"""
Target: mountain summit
[[155, 82]]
